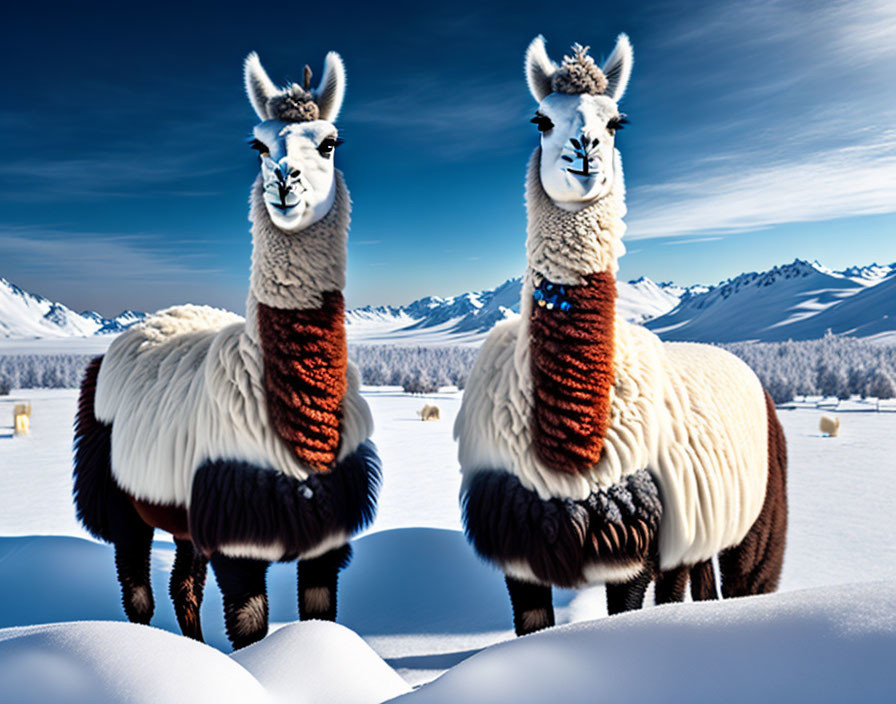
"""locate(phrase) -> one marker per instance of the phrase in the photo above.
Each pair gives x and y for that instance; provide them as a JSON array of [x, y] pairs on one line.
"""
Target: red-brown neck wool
[[305, 359], [572, 373]]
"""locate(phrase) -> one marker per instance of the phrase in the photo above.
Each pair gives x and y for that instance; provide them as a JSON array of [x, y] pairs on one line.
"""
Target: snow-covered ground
[[423, 603]]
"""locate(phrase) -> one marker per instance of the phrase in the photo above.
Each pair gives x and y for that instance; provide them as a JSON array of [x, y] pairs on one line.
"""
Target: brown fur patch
[[317, 599], [572, 373], [670, 585], [186, 588], [166, 517], [305, 359], [754, 566], [703, 582]]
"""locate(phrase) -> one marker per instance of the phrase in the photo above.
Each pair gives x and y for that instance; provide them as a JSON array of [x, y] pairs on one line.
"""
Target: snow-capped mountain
[[27, 315], [799, 301], [468, 317]]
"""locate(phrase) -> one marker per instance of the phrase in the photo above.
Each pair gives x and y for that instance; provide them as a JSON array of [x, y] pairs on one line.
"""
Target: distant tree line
[[832, 366], [42, 371], [418, 370]]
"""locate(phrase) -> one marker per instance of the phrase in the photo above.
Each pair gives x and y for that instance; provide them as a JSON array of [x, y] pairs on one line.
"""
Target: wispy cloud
[[110, 272], [694, 240], [808, 88], [451, 121], [859, 179]]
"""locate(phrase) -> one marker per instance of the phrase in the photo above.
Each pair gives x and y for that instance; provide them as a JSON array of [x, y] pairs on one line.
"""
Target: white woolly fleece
[[294, 269], [693, 415], [186, 386]]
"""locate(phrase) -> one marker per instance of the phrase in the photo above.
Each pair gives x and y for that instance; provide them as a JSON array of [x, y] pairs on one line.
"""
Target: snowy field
[[422, 603]]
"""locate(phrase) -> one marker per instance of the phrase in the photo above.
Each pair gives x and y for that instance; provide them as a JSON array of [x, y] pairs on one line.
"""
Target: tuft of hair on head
[[294, 104], [579, 74]]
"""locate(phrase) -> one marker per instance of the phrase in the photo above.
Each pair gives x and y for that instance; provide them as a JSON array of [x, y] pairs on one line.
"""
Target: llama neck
[[565, 247], [293, 270], [569, 304], [296, 315]]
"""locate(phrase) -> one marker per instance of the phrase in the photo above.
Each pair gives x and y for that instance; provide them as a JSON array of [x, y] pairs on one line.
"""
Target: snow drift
[[833, 644]]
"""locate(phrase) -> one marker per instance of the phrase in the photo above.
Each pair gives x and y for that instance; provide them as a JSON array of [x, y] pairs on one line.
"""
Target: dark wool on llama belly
[[236, 503], [560, 539]]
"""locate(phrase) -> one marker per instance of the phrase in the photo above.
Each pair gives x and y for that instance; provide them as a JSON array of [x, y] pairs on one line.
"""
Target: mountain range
[[28, 315], [800, 300]]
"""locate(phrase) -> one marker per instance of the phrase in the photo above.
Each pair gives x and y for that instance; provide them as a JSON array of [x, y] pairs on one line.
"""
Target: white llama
[[248, 440], [591, 452]]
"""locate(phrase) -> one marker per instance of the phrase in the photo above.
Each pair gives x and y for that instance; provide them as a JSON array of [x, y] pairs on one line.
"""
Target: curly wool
[[579, 74], [560, 540], [295, 104], [295, 270], [565, 247]]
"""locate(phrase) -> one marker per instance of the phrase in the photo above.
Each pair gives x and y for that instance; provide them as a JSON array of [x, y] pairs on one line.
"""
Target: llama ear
[[258, 86], [539, 69], [618, 68], [331, 91]]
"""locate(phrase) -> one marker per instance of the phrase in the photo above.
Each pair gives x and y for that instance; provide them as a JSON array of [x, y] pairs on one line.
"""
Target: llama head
[[578, 116], [295, 141]]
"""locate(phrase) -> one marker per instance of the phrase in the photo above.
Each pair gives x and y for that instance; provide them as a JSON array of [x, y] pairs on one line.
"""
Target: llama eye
[[260, 147], [542, 122], [328, 145], [617, 123]]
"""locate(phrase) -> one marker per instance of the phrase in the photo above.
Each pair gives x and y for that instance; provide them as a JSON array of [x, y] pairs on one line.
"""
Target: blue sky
[[759, 132]]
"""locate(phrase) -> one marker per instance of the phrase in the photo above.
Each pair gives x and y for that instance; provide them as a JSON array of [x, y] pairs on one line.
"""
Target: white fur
[[331, 90], [297, 174], [186, 385], [259, 88], [294, 269], [583, 118], [593, 573], [692, 415], [538, 69], [618, 68], [294, 159], [183, 388]]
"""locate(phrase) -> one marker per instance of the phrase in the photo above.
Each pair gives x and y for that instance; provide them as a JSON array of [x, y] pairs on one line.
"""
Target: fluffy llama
[[591, 452], [248, 440]]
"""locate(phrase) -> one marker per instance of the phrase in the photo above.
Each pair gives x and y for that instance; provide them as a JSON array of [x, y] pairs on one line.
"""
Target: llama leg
[[243, 586], [133, 545], [186, 587], [703, 582], [754, 566], [533, 608], [670, 585], [318, 579], [628, 596]]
